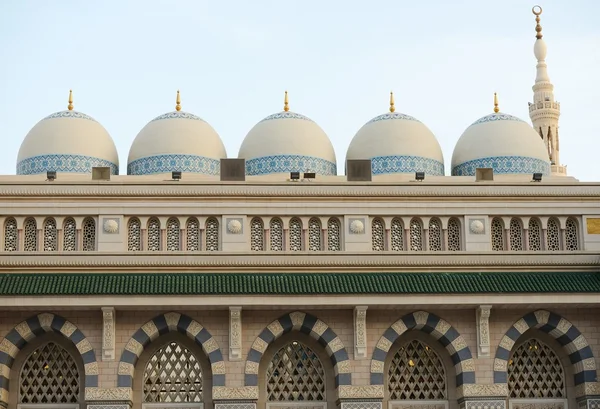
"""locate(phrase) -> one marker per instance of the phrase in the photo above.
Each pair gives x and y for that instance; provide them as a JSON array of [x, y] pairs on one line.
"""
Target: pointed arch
[[439, 329], [163, 324], [18, 337], [572, 340], [307, 324]]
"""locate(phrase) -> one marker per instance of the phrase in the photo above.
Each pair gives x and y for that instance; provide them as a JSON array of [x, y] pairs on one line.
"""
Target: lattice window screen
[[276, 235], [173, 234], [192, 232], [89, 234], [69, 235], [295, 374], [172, 375], [397, 233], [571, 236], [553, 235], [377, 235], [11, 235], [134, 235], [212, 234], [535, 235], [295, 235], [535, 371], [416, 372], [334, 240], [257, 234], [154, 240], [49, 375], [497, 232], [435, 235], [50, 235], [516, 234], [454, 239], [416, 235], [31, 236], [315, 234]]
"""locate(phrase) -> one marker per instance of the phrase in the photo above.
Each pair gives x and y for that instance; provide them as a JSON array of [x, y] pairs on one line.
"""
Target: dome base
[[289, 163], [63, 163], [503, 165]]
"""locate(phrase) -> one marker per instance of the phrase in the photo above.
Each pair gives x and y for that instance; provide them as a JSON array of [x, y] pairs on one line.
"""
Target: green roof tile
[[296, 283]]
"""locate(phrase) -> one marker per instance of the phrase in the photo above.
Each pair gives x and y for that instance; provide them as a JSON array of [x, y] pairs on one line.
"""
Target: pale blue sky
[[232, 60]]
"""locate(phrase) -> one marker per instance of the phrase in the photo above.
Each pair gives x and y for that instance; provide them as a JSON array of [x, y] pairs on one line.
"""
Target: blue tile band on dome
[[63, 163], [289, 163], [287, 115], [497, 117], [169, 163], [503, 164], [69, 114], [382, 165], [178, 115], [393, 115]]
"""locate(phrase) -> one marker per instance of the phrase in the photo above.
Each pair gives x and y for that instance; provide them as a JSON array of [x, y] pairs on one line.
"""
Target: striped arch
[[307, 324], [441, 330], [567, 335], [163, 324], [37, 326]]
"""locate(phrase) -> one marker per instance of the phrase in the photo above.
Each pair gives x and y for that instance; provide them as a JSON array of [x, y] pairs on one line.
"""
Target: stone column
[[360, 332], [235, 333], [108, 333], [483, 331]]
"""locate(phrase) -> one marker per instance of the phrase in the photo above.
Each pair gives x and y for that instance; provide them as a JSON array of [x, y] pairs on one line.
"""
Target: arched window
[[435, 235], [416, 372], [154, 241], [454, 239], [11, 235], [295, 234], [31, 236], [553, 235], [535, 235], [516, 234], [334, 241], [192, 234], [295, 374], [535, 371], [377, 235], [212, 234], [172, 375], [50, 235], [497, 232], [257, 234], [69, 235], [416, 235], [314, 234], [276, 234], [571, 235], [89, 234], [49, 376], [173, 234], [134, 235], [397, 233]]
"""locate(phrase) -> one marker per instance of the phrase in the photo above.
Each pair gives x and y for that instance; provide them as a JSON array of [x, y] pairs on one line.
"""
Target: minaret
[[545, 111]]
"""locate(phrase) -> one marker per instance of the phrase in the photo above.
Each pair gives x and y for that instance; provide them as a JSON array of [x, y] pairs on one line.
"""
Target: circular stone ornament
[[357, 227], [477, 227], [234, 226], [111, 226]]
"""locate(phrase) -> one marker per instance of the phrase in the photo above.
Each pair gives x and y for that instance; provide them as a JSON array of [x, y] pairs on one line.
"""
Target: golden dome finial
[[70, 106], [537, 10], [286, 105], [178, 102], [496, 109], [392, 107]]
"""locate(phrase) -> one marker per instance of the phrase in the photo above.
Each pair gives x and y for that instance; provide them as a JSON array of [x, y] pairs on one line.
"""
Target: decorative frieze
[[494, 390], [361, 405], [411, 404], [109, 406], [537, 404], [483, 331], [111, 394], [235, 405], [360, 332], [360, 392], [235, 333], [483, 404], [108, 333], [232, 393]]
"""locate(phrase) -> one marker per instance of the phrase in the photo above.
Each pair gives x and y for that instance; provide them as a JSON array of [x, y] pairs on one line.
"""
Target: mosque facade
[[190, 280]]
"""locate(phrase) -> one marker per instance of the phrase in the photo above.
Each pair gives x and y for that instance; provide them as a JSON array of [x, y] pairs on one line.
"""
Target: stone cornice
[[305, 261]]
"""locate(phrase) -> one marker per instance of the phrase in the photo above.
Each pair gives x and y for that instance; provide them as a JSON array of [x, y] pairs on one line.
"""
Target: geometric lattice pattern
[[11, 235], [435, 235], [416, 235], [31, 236], [63, 163], [173, 234], [276, 234], [257, 234], [314, 234], [381, 165], [454, 240], [553, 235], [497, 117], [286, 115], [334, 242], [571, 236], [295, 374], [516, 235], [49, 375], [69, 235], [134, 235], [192, 232], [295, 232], [290, 163], [50, 235], [377, 235], [153, 231], [212, 234], [497, 234], [535, 235], [504, 164], [88, 234], [535, 371], [397, 233], [174, 162], [391, 116], [172, 375], [416, 373]]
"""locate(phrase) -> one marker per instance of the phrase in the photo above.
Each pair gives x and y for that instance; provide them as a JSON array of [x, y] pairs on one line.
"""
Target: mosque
[[267, 280]]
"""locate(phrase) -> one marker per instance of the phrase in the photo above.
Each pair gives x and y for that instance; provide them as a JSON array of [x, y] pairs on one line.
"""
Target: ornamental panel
[[88, 231], [69, 235], [334, 227], [416, 235], [154, 241], [315, 234], [295, 235], [173, 234], [553, 235], [454, 239], [134, 235], [377, 235], [571, 235], [397, 233], [276, 235], [31, 236], [435, 235], [50, 235], [11, 235], [192, 234], [257, 234], [212, 234], [535, 235], [497, 232], [516, 235]]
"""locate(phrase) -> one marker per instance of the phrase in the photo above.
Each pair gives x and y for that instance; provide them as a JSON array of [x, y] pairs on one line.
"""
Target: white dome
[[67, 141], [503, 142], [288, 142], [397, 143], [176, 141]]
